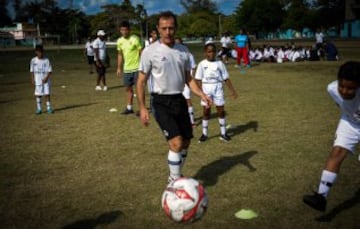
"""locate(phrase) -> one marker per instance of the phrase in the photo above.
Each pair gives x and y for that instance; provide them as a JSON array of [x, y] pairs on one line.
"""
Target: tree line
[[201, 18]]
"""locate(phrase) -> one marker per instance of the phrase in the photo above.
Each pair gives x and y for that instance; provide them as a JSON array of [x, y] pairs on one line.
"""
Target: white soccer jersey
[[166, 67], [187, 92], [101, 45], [350, 108], [89, 49], [211, 72], [226, 42], [280, 54], [319, 36], [258, 55], [40, 68]]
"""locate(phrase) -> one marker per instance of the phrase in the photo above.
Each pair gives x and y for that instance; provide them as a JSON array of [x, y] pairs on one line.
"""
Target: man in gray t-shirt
[[166, 67]]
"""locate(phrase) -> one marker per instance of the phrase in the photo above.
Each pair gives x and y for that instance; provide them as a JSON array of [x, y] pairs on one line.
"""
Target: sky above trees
[[90, 7]]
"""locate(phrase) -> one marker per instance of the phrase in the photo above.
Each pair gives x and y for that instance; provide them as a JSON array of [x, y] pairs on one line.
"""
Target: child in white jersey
[[40, 69], [187, 92], [211, 74], [345, 91]]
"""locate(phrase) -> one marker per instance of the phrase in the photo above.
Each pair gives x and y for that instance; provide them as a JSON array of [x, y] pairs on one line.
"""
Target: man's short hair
[[125, 24], [166, 15]]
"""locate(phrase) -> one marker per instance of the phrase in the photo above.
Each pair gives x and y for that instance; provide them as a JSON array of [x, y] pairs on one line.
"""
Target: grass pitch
[[85, 167]]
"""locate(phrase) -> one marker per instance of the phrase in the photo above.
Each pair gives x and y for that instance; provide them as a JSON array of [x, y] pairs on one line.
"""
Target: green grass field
[[85, 167]]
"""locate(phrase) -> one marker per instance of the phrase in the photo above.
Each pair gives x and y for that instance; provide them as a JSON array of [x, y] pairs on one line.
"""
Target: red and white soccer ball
[[184, 200]]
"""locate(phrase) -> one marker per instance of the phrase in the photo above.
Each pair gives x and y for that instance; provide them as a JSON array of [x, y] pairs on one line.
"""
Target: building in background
[[23, 33], [351, 26]]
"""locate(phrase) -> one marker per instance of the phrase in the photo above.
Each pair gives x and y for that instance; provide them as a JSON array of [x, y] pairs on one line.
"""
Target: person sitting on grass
[[345, 91], [40, 69]]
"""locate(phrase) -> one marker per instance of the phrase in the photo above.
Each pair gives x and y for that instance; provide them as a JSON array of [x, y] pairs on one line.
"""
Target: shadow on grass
[[210, 173], [341, 207], [74, 106], [8, 101], [238, 129], [115, 87], [233, 130], [103, 219]]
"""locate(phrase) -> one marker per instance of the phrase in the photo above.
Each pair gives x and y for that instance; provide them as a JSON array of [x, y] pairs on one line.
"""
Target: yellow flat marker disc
[[246, 214]]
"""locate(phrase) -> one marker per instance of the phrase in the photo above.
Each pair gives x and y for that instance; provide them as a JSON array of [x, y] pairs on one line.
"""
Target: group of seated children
[[290, 53]]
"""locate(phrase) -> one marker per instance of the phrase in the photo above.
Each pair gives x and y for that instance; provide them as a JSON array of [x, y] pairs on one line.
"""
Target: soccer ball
[[184, 200]]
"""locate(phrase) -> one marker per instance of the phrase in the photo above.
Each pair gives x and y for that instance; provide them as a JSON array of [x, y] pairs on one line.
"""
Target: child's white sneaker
[[98, 88], [105, 88]]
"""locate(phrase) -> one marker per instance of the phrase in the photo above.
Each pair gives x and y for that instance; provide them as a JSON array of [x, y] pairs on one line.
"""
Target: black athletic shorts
[[171, 113], [90, 59]]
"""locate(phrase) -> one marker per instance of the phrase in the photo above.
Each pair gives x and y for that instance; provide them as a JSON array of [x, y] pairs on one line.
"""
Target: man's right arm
[[120, 62], [140, 89]]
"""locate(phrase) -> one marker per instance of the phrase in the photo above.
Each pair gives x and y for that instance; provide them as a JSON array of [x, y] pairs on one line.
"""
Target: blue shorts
[[129, 79]]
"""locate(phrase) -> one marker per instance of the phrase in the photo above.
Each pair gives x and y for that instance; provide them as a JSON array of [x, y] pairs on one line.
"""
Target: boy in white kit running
[[40, 69], [211, 74], [345, 91]]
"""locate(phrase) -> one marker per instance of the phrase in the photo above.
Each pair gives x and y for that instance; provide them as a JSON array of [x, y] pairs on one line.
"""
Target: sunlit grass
[[84, 167]]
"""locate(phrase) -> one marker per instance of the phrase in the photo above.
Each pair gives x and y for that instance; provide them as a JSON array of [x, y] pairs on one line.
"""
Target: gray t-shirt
[[166, 67]]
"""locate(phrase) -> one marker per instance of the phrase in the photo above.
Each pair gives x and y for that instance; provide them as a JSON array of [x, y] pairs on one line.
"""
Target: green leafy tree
[[227, 24], [330, 13], [296, 14], [259, 16], [200, 27], [4, 14], [200, 23], [192, 6], [113, 14]]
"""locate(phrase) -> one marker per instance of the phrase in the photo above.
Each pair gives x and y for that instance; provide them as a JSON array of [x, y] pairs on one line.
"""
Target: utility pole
[[220, 26]]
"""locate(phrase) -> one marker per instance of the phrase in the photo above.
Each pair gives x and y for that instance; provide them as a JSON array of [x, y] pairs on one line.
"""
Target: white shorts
[[186, 92], [43, 89], [215, 92], [347, 135]]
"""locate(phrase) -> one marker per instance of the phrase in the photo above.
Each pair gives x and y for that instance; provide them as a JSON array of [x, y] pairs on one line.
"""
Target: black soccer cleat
[[203, 138], [316, 201], [225, 138], [127, 111]]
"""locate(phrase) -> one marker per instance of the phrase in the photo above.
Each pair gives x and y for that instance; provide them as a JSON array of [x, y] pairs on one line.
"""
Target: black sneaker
[[203, 138], [127, 111], [316, 201], [225, 138]]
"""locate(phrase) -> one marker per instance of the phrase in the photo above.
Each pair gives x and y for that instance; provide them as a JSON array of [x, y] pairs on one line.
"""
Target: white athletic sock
[[183, 157], [327, 180], [191, 114], [38, 103], [205, 125], [222, 126], [174, 162], [48, 105], [129, 107]]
